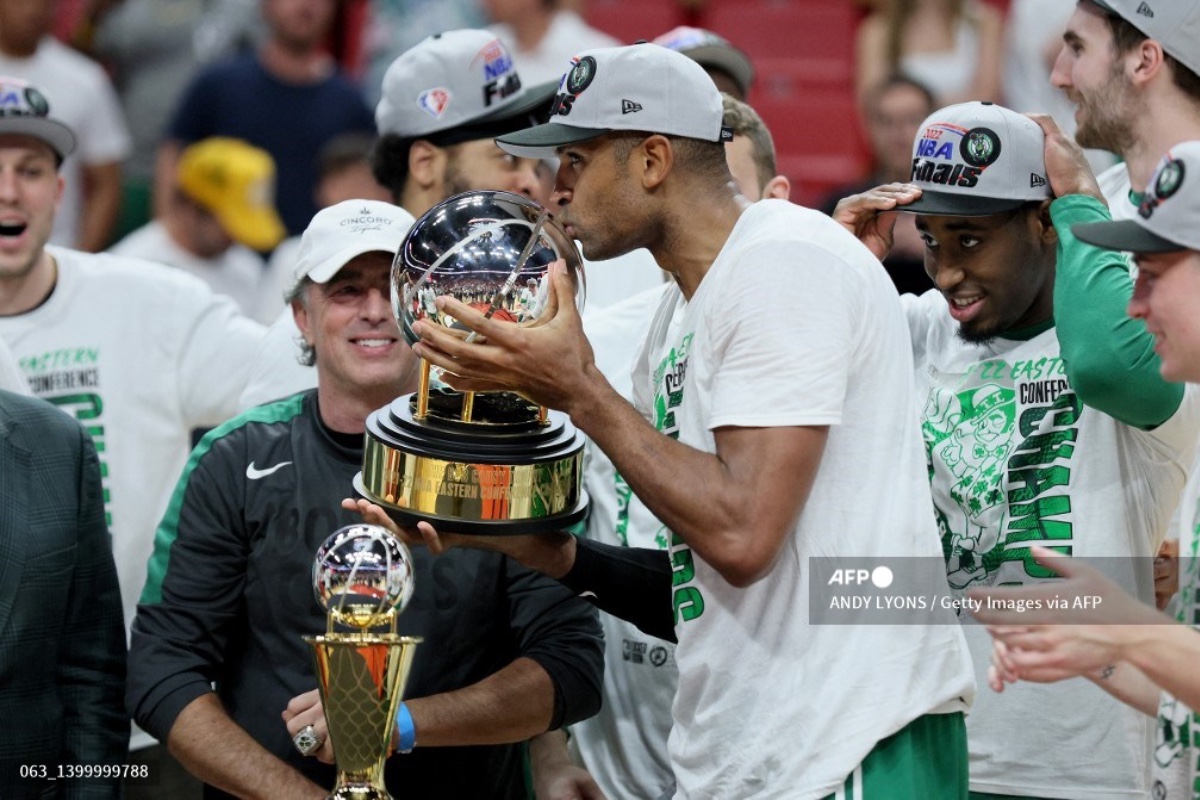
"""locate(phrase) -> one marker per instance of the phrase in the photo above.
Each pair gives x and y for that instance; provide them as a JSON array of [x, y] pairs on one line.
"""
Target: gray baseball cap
[[978, 159], [1168, 218], [25, 110], [462, 80], [1175, 24], [710, 50], [640, 87]]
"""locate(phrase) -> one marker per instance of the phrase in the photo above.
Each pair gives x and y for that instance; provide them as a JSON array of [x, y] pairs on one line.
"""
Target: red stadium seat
[[817, 137], [631, 20], [807, 29]]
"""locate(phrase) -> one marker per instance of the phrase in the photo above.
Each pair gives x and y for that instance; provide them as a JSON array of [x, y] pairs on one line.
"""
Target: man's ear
[[656, 156], [426, 164], [778, 188], [1048, 233], [1145, 62], [300, 315]]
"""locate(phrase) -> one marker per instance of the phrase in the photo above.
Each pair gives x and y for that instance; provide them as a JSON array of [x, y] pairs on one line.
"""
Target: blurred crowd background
[[819, 65]]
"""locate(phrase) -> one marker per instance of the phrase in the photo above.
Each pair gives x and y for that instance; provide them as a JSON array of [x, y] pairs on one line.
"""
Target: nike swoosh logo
[[254, 474]]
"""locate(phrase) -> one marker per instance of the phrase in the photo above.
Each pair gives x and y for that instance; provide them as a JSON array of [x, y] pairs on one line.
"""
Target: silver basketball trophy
[[363, 578], [466, 462]]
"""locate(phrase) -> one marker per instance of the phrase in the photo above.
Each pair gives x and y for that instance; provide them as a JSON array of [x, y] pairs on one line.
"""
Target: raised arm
[[753, 486], [1108, 355]]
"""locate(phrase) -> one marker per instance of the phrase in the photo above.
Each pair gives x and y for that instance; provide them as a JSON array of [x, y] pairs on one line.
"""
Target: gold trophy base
[[361, 678], [480, 477]]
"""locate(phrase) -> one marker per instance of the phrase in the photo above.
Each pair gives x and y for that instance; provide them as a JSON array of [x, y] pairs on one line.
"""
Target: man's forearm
[[1128, 684], [219, 752], [753, 487], [512, 705], [631, 583], [1167, 655]]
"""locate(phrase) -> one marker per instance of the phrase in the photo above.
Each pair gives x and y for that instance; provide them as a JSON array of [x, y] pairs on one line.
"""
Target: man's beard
[[1107, 121]]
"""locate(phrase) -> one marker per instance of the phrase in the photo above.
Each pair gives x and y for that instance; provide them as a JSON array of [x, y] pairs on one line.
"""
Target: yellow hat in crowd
[[236, 182]]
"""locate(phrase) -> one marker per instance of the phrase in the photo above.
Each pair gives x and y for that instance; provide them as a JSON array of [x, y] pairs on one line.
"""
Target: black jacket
[[229, 598]]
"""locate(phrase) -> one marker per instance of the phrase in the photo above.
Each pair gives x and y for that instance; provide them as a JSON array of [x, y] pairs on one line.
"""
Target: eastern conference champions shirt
[[1017, 459], [139, 353], [797, 324]]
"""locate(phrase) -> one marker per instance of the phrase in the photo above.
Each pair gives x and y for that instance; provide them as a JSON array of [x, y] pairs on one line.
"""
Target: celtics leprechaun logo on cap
[[1170, 178], [580, 76], [980, 147], [37, 101]]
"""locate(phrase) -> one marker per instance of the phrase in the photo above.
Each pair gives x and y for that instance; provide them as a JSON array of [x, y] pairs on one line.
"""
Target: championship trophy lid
[[489, 462]]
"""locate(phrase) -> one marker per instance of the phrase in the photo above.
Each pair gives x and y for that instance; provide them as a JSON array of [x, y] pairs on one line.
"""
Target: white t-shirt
[[276, 371], [11, 379], [567, 36], [624, 746], [82, 97], [1176, 766], [140, 355], [796, 324], [277, 282], [1115, 186], [235, 273], [1016, 460], [617, 279]]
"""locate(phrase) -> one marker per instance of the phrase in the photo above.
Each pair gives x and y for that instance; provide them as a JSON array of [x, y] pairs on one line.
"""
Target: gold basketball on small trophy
[[363, 578], [488, 462]]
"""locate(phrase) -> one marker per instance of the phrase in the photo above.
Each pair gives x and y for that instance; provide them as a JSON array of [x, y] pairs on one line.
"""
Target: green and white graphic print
[[669, 380], [1177, 735], [999, 440]]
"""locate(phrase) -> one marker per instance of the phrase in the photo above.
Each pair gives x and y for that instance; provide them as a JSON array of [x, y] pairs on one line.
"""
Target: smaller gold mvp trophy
[[363, 578]]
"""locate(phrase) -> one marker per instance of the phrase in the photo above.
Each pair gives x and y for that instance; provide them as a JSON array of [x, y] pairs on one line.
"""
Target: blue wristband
[[406, 731]]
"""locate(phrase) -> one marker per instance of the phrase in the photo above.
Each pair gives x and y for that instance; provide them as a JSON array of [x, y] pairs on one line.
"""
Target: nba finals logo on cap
[[580, 76], [950, 155], [500, 77], [975, 159], [434, 101], [21, 100]]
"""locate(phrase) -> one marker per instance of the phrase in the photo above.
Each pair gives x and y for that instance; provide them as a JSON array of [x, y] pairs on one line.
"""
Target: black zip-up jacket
[[229, 598]]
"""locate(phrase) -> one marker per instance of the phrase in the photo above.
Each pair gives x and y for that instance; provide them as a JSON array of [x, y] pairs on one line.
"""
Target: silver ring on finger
[[307, 741]]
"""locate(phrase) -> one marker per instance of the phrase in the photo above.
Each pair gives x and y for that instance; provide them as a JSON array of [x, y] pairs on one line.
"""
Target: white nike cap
[[346, 230], [1168, 219], [641, 87]]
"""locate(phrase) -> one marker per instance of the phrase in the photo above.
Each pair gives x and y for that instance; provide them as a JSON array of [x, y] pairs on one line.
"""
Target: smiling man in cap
[[1132, 67], [1149, 665], [1045, 419], [777, 402], [509, 654], [139, 353]]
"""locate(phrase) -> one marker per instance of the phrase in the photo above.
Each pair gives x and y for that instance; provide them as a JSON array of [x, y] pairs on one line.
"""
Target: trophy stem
[[423, 392], [543, 417], [468, 406], [361, 678]]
